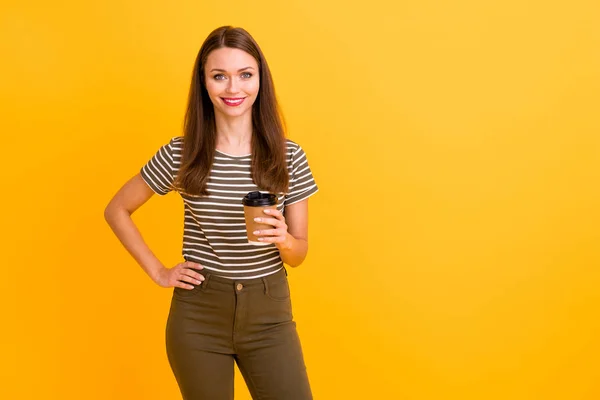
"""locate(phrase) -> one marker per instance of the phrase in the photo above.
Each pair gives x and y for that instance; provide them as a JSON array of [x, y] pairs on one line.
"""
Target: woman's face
[[232, 81]]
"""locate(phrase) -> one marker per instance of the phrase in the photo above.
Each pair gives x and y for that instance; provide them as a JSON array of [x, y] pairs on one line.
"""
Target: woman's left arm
[[290, 234]]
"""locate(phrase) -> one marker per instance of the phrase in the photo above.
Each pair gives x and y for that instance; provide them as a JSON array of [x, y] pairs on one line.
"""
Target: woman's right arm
[[126, 201]]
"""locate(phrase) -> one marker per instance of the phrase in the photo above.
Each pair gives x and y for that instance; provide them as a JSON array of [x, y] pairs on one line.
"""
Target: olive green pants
[[248, 322]]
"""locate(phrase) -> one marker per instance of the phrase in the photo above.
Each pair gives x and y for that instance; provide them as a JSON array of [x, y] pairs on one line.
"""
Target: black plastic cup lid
[[258, 199]]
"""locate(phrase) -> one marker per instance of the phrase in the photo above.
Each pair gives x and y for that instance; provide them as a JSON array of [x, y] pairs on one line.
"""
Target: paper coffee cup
[[254, 205]]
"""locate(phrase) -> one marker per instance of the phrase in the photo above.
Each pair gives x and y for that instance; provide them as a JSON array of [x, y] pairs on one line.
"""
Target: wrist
[[288, 243], [156, 272]]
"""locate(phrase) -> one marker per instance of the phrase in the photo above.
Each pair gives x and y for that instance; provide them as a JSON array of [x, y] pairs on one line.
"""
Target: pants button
[[239, 286]]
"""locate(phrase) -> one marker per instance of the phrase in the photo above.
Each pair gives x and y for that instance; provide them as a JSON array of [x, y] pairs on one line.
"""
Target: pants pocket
[[278, 290]]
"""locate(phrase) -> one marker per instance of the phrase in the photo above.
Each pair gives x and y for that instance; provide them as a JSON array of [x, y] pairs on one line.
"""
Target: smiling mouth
[[233, 102]]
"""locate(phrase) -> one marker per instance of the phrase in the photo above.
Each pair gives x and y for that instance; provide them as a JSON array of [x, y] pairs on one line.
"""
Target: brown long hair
[[269, 167]]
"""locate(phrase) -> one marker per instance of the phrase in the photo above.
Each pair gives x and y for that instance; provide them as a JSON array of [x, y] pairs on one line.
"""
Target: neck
[[234, 133]]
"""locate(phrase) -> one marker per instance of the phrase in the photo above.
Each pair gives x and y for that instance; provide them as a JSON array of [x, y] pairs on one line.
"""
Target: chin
[[235, 112]]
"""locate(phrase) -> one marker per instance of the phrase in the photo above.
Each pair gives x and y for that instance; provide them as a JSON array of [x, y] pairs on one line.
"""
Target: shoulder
[[292, 148], [176, 142], [174, 146], [295, 152]]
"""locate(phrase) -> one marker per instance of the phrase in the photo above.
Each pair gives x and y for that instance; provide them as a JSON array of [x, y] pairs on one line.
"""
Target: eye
[[246, 75], [219, 77]]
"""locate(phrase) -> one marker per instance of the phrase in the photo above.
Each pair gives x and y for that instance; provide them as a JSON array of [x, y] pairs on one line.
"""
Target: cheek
[[252, 88], [212, 89]]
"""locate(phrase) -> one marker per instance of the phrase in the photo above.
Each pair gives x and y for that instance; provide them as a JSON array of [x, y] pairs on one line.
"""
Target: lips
[[233, 101]]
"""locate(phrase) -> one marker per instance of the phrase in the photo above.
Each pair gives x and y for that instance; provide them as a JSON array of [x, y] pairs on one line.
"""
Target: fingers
[[183, 285], [192, 274], [278, 235], [184, 275], [192, 265], [270, 221], [275, 213], [278, 219], [272, 239], [186, 278], [270, 232]]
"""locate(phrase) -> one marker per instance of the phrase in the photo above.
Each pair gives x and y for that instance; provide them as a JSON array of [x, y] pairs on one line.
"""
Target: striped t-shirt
[[214, 233]]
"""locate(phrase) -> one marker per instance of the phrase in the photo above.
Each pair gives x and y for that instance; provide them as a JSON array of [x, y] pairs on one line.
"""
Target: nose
[[232, 86]]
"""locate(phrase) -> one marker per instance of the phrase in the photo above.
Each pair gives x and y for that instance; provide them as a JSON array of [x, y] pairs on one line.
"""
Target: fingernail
[[256, 232], [257, 219], [267, 211]]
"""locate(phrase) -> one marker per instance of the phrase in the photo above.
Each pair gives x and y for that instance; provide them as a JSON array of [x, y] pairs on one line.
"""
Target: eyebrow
[[222, 70]]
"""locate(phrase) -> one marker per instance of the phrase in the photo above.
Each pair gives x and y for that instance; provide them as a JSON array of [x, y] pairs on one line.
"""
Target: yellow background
[[454, 245]]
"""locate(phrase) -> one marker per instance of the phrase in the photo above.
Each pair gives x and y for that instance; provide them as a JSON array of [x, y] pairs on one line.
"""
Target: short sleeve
[[302, 182], [158, 172]]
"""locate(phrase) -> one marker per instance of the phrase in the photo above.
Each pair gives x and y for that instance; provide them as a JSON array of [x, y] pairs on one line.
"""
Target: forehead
[[229, 59]]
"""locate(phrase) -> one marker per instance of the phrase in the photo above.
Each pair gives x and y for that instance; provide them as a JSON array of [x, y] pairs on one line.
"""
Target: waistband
[[216, 281]]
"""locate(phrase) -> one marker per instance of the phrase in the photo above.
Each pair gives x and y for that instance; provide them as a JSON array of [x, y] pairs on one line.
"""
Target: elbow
[[296, 263], [114, 212], [299, 259], [304, 253], [111, 210], [108, 212]]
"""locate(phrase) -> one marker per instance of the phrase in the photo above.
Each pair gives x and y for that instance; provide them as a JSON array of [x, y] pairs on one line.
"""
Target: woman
[[231, 300]]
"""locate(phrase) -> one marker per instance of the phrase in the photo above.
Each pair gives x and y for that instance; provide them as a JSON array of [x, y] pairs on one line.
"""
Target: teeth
[[233, 102]]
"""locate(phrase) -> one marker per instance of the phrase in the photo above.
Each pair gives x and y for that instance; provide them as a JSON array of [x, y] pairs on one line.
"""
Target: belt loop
[[265, 284], [204, 284]]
